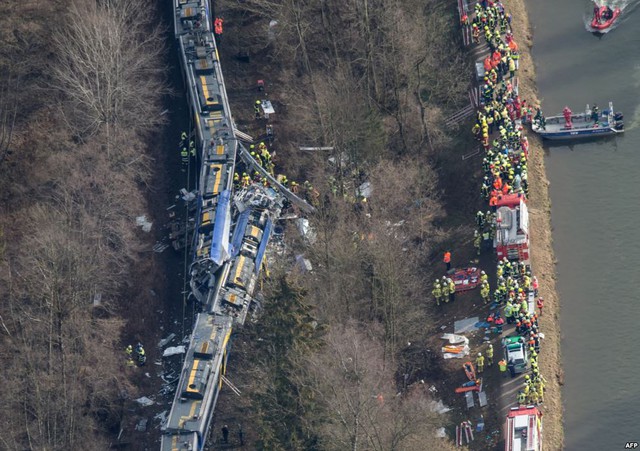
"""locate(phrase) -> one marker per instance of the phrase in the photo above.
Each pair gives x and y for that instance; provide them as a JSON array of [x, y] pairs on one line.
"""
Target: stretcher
[[475, 387], [469, 370]]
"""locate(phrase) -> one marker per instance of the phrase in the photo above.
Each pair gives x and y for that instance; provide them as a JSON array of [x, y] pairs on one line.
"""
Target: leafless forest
[[81, 86]]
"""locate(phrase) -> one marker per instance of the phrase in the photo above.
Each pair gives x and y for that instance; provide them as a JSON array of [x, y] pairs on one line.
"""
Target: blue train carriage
[[200, 383], [258, 208]]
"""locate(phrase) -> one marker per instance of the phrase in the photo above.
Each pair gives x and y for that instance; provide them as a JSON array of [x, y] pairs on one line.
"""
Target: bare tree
[[363, 411], [109, 61], [8, 113]]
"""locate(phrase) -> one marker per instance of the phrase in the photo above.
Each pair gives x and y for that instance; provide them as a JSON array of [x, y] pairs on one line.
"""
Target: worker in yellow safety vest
[[445, 291], [502, 365], [480, 363], [437, 292], [490, 355]]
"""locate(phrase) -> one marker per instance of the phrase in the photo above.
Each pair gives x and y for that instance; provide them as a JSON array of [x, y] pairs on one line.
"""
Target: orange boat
[[605, 18]]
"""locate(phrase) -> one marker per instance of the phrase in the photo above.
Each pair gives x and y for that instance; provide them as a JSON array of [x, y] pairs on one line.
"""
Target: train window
[[209, 99]]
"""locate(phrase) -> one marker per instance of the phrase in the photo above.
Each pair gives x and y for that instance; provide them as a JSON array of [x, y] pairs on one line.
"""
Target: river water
[[595, 195]]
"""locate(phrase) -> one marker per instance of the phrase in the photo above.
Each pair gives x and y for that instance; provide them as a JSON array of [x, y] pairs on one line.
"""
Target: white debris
[[162, 416], [441, 433], [305, 230], [455, 339], [141, 221], [438, 407], [365, 190], [173, 351], [303, 264], [166, 341], [144, 401]]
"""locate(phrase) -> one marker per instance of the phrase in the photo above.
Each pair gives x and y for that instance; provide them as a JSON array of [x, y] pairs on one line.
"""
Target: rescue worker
[[499, 322], [486, 239], [246, 181], [295, 187], [540, 390], [236, 180], [142, 358], [225, 434], [129, 350], [484, 292], [257, 109], [452, 290], [184, 157], [595, 113], [437, 292], [477, 241], [540, 304], [535, 285], [445, 291], [480, 363], [192, 148], [522, 398], [490, 355], [483, 277], [480, 219], [217, 26], [502, 365], [447, 260]]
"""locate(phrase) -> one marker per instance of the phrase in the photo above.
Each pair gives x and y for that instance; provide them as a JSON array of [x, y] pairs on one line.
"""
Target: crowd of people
[[500, 118]]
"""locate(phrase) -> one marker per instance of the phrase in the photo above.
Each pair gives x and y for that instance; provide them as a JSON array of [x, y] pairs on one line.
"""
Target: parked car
[[516, 355]]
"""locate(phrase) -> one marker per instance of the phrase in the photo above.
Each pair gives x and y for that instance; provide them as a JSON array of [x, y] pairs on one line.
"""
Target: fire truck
[[523, 429], [512, 228]]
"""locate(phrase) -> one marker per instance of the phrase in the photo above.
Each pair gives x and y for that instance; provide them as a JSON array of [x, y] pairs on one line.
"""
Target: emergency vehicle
[[512, 228], [523, 429]]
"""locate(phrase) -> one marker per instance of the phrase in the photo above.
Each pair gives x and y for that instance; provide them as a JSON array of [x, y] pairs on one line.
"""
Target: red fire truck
[[523, 429], [512, 228]]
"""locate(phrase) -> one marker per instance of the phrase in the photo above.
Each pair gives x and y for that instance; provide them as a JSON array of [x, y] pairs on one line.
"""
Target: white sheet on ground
[[455, 339], [464, 325]]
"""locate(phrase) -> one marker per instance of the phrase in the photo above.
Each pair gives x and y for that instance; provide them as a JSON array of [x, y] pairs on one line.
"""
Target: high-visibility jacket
[[447, 257], [502, 364], [490, 353]]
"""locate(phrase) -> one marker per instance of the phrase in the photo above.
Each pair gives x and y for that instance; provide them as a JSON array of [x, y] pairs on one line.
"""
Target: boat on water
[[604, 17], [588, 124]]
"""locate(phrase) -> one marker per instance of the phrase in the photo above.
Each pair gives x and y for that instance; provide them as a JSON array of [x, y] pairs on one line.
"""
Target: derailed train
[[230, 239]]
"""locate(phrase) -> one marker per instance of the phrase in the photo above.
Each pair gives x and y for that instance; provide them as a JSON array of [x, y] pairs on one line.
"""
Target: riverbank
[[543, 259]]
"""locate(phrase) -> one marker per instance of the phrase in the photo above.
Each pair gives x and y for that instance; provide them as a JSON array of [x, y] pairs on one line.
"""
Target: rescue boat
[[581, 125], [600, 23]]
